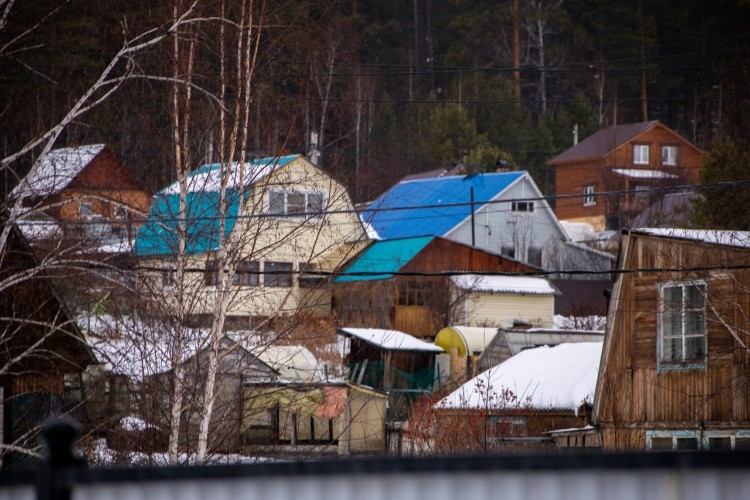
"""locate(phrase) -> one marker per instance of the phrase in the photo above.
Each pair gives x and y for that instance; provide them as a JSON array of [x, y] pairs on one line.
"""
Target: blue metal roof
[[384, 257], [423, 203], [159, 235]]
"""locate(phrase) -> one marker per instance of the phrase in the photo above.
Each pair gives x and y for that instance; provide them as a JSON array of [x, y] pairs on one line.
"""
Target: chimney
[[575, 134]]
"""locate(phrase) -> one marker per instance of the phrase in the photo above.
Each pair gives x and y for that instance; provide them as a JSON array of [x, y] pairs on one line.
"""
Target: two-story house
[[675, 369], [626, 162], [281, 221], [88, 190], [502, 213]]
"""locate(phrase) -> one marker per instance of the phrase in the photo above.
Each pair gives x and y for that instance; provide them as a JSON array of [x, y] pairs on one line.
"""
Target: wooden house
[[404, 284], [629, 160], [286, 226], [502, 212], [88, 190], [514, 404], [393, 362], [39, 344], [675, 371]]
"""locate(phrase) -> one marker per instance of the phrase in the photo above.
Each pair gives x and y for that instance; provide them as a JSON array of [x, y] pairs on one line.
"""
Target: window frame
[[301, 208], [638, 158], [522, 207], [589, 195], [89, 209], [669, 147], [540, 252], [246, 274], [683, 363], [278, 278], [702, 438]]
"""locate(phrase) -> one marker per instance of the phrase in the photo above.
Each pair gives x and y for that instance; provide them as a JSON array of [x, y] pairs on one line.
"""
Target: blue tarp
[[425, 203]]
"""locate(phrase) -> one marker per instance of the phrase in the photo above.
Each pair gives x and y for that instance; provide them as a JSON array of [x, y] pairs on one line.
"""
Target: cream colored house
[[502, 300], [280, 221]]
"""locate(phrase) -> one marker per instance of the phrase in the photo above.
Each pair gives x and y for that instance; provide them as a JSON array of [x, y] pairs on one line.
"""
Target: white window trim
[[641, 147], [675, 435], [589, 195], [668, 163], [687, 364], [307, 214], [701, 436], [515, 204]]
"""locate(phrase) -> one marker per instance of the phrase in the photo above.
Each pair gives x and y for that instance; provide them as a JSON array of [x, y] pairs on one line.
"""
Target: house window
[[278, 274], [168, 278], [589, 198], [672, 440], [522, 207], [640, 154], [508, 251], [682, 322], [535, 256], [85, 209], [295, 203], [415, 293], [669, 155], [308, 277], [509, 426], [246, 274]]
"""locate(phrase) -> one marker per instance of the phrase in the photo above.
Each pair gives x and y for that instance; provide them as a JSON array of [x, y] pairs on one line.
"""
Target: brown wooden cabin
[[88, 185], [417, 300], [631, 157], [676, 364], [39, 343]]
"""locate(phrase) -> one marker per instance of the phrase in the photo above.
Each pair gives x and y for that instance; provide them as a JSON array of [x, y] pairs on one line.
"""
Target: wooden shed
[[404, 284], [675, 371]]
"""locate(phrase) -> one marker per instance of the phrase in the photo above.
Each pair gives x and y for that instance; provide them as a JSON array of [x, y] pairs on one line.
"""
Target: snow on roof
[[542, 378], [40, 229], [739, 239], [208, 177], [637, 173], [294, 363], [391, 340], [134, 348], [504, 284], [57, 170]]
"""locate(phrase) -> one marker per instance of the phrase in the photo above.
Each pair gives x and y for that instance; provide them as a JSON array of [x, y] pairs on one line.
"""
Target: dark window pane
[[686, 444], [694, 348], [508, 251], [695, 296], [295, 203], [276, 203], [661, 444], [314, 203], [278, 274], [720, 443], [742, 443], [535, 256]]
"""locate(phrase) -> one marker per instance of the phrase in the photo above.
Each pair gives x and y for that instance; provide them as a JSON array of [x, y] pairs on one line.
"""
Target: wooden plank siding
[[635, 393], [571, 177], [416, 304]]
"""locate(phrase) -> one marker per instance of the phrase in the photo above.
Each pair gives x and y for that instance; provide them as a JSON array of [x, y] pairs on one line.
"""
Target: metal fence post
[[53, 481]]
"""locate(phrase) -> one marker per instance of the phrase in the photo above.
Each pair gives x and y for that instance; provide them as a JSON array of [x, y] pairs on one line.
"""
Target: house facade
[[675, 370], [405, 284], [88, 190], [284, 220], [498, 212], [629, 161]]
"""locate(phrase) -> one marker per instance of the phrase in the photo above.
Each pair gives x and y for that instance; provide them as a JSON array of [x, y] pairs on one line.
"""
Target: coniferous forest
[[389, 88]]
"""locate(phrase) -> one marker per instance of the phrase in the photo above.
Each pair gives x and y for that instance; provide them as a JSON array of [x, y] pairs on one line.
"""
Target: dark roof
[[581, 297], [439, 172], [602, 142], [673, 210]]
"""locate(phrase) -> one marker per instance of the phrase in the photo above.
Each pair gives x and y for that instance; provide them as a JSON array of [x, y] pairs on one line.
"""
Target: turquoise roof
[[159, 235], [383, 258], [433, 206]]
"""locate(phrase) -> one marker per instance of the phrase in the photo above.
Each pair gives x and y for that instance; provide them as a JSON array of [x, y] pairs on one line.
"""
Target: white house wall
[[486, 309], [495, 225]]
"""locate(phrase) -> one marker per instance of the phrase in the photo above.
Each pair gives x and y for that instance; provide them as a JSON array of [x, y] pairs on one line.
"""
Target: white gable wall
[[496, 226], [500, 309]]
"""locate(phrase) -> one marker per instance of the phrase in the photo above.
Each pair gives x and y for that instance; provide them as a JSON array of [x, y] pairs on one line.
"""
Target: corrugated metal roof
[[58, 169], [504, 284], [159, 234], [602, 142], [390, 340], [429, 205], [385, 258]]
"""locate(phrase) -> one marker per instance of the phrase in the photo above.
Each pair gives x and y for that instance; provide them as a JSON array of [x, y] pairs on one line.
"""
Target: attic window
[[640, 154], [296, 203], [522, 206], [85, 209], [669, 155]]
